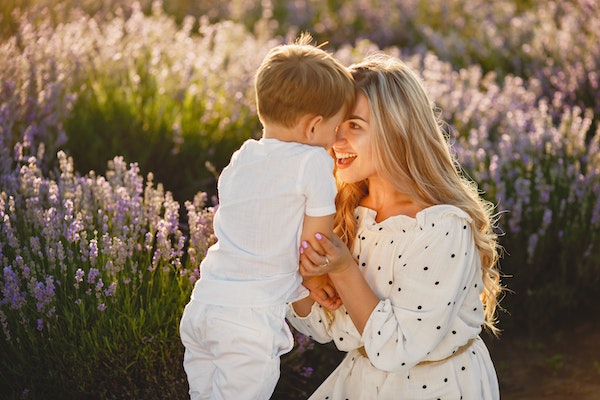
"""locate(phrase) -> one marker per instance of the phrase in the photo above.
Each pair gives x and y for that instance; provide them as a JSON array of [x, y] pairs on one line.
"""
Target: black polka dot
[[453, 255], [432, 225], [390, 282], [363, 264], [424, 386], [425, 269], [445, 379], [419, 307], [463, 368], [454, 332], [379, 268], [380, 228], [438, 327], [437, 282]]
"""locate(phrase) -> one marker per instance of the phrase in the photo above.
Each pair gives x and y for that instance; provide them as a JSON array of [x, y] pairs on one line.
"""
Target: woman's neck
[[387, 201]]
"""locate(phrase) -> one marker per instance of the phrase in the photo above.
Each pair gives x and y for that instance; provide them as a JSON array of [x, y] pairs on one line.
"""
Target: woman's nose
[[339, 132]]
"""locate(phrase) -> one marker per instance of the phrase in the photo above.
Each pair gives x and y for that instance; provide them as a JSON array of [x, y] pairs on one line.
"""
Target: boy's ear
[[312, 126]]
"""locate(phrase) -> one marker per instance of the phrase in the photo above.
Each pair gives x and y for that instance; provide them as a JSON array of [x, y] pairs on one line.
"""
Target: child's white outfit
[[234, 328]]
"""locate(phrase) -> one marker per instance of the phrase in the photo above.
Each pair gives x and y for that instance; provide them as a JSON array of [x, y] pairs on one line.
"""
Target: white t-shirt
[[264, 193]]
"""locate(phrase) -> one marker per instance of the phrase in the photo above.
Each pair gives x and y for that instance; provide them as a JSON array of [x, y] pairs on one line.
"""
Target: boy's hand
[[322, 291]]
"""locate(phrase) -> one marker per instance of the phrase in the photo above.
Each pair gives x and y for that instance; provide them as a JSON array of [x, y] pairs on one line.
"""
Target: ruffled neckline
[[403, 223]]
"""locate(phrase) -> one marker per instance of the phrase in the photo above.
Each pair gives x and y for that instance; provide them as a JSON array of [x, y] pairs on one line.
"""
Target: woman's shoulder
[[440, 213]]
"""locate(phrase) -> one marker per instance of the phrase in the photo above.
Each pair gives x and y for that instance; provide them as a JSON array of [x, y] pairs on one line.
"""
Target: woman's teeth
[[344, 158]]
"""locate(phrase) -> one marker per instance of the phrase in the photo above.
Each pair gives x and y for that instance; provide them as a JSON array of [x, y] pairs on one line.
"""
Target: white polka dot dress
[[427, 273]]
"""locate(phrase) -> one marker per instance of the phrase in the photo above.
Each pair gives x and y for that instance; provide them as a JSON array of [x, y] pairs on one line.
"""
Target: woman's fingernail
[[301, 250], [305, 244], [318, 236]]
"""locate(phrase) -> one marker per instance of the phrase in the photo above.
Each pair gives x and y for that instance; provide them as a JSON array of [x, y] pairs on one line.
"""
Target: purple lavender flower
[[11, 291]]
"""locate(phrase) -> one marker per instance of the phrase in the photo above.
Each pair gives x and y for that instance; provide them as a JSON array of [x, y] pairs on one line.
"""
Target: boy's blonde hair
[[301, 79]]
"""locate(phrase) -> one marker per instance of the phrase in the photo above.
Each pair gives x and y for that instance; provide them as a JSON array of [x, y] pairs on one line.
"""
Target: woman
[[421, 279]]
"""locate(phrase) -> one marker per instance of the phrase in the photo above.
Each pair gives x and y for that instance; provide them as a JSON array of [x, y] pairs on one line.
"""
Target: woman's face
[[352, 148]]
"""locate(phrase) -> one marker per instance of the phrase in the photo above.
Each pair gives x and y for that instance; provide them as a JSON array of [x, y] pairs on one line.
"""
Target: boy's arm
[[321, 288]]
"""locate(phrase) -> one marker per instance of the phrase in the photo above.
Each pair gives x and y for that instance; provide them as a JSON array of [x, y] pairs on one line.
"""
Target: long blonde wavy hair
[[410, 150]]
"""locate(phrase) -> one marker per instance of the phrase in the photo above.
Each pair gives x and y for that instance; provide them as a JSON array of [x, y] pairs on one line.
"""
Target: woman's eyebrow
[[357, 117]]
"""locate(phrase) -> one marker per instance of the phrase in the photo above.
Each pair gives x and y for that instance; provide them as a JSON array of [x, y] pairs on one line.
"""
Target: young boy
[[274, 193]]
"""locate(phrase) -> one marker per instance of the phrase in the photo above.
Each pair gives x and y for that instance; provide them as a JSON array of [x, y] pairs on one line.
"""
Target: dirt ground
[[552, 366]]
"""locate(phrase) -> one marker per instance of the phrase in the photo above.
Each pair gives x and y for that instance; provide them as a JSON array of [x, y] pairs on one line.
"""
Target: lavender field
[[117, 116]]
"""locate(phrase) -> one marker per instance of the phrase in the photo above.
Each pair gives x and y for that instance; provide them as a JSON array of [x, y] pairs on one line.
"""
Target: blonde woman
[[420, 280]]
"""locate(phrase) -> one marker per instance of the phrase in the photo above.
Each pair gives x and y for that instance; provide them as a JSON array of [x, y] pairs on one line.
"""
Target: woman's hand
[[333, 257]]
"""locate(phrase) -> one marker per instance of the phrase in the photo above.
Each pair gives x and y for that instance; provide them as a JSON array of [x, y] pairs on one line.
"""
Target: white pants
[[232, 353]]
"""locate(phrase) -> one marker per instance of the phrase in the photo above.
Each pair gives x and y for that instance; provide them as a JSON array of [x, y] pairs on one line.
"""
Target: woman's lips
[[343, 160]]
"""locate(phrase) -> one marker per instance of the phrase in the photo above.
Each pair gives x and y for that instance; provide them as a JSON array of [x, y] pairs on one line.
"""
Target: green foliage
[[94, 282]]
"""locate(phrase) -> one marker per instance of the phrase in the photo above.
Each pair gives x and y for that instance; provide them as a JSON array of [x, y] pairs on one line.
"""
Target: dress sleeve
[[430, 280], [324, 326], [316, 325]]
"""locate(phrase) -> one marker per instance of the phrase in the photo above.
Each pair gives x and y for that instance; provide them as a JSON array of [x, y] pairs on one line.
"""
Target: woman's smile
[[344, 160]]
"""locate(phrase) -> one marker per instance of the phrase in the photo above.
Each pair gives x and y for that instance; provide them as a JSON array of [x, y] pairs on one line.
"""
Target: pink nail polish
[[305, 244], [318, 236]]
